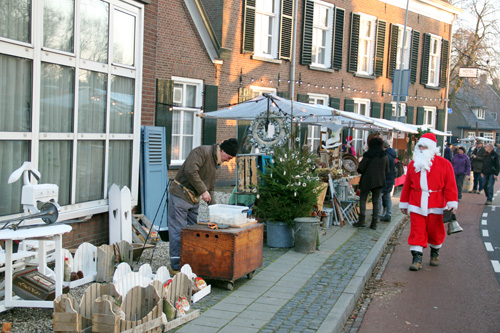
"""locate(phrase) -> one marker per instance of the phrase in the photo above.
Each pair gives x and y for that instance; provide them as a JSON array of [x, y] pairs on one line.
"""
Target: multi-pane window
[[314, 131], [434, 60], [266, 28], [68, 98], [406, 60], [366, 44], [429, 116], [401, 112], [185, 125], [479, 113], [322, 34], [362, 107]]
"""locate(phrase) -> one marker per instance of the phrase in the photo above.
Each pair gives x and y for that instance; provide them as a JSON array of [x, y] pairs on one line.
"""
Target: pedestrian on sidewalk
[[373, 169], [385, 202], [448, 151], [429, 189], [476, 160], [490, 172], [461, 166]]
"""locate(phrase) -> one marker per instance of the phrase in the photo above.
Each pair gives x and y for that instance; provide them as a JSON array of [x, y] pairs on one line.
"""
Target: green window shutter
[[376, 108], [304, 98], [354, 43], [210, 125], [378, 66], [335, 103], [286, 29], [443, 71], [349, 105], [424, 69], [338, 38], [307, 34], [248, 26], [163, 116], [284, 94], [387, 111], [410, 114], [393, 51], [415, 44], [420, 116], [441, 117]]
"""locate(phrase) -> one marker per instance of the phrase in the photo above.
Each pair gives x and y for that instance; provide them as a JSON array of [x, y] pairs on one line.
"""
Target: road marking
[[485, 214], [496, 266], [486, 233], [488, 246], [484, 222], [493, 208]]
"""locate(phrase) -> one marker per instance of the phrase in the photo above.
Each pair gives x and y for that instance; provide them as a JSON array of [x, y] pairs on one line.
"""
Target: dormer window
[[479, 113]]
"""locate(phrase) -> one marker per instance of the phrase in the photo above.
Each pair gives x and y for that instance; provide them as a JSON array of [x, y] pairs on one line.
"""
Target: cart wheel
[[251, 275], [229, 285]]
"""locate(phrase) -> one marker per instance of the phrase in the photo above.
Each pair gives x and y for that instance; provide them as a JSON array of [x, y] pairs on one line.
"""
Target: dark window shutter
[[284, 94], [248, 26], [443, 71], [304, 98], [424, 73], [354, 43], [338, 38], [409, 114], [376, 108], [286, 29], [163, 116], [378, 66], [388, 111], [393, 50], [441, 116], [349, 105], [210, 125], [420, 116], [307, 34], [335, 103], [415, 44]]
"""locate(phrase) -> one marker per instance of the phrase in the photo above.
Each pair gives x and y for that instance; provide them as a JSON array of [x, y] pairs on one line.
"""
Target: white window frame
[[487, 135], [366, 51], [360, 136], [430, 116], [400, 47], [38, 54], [480, 113], [471, 135], [402, 109], [318, 31], [258, 91], [434, 60], [196, 109], [273, 17], [314, 131]]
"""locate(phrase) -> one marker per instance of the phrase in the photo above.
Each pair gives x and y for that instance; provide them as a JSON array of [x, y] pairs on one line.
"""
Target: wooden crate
[[222, 254]]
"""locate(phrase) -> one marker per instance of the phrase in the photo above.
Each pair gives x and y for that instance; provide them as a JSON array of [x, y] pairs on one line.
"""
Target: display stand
[[42, 234]]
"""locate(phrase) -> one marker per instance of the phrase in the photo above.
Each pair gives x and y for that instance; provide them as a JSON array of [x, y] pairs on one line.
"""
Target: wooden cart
[[222, 254]]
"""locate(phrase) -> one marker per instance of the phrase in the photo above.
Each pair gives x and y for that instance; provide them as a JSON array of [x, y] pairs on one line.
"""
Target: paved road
[[460, 295], [490, 234]]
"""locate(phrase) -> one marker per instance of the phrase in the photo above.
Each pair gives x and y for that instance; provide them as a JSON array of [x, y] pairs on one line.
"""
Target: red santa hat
[[429, 140]]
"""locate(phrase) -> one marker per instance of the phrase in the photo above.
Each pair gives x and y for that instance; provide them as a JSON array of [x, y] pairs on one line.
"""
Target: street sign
[[401, 98], [450, 110], [468, 72], [402, 79]]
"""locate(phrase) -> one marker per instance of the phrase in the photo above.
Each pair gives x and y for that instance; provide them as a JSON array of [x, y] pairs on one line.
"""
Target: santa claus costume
[[429, 189]]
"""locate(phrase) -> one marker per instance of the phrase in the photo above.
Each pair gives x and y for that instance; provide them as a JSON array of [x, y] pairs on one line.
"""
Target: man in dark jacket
[[385, 202], [489, 172], [448, 152], [476, 161], [373, 168], [195, 178]]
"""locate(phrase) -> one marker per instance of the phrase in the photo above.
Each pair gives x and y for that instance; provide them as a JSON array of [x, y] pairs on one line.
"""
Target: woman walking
[[461, 166]]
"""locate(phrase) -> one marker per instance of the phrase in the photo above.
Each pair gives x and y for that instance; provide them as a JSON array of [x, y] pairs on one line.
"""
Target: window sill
[[321, 69], [273, 61], [365, 76], [428, 86]]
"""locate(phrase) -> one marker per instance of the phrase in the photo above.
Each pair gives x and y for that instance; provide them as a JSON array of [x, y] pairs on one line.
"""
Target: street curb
[[337, 317]]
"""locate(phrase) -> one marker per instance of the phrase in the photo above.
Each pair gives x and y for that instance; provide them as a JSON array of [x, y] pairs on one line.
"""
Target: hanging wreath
[[258, 131]]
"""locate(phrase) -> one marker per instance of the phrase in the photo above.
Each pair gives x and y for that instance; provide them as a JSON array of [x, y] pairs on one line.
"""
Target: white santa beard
[[422, 159]]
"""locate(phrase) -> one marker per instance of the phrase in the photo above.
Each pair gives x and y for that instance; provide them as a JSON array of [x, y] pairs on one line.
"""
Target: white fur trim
[[427, 142], [435, 246], [403, 205], [452, 204], [416, 248]]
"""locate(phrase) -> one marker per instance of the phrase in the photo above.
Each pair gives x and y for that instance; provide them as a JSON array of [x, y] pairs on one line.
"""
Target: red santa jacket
[[430, 192]]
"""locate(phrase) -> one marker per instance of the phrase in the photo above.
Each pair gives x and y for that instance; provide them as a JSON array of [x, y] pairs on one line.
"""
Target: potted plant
[[287, 190]]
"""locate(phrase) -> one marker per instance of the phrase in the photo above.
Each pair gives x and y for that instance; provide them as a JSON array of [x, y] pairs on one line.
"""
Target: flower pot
[[279, 234], [306, 234]]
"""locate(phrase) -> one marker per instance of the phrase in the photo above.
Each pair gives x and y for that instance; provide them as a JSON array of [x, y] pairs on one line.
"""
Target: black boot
[[360, 223], [373, 225], [434, 257], [417, 261]]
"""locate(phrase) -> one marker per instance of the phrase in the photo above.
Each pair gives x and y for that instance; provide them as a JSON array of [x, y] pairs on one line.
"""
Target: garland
[[258, 133]]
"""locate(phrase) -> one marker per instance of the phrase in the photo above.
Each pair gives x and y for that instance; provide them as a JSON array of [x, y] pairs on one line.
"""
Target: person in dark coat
[[476, 161], [489, 172], [385, 203], [373, 168], [448, 152], [461, 166]]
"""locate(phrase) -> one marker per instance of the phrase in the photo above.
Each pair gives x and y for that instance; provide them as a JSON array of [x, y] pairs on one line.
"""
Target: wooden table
[[222, 254]]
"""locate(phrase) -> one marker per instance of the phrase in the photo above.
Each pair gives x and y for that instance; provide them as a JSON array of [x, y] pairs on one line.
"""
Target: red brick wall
[[94, 231]]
